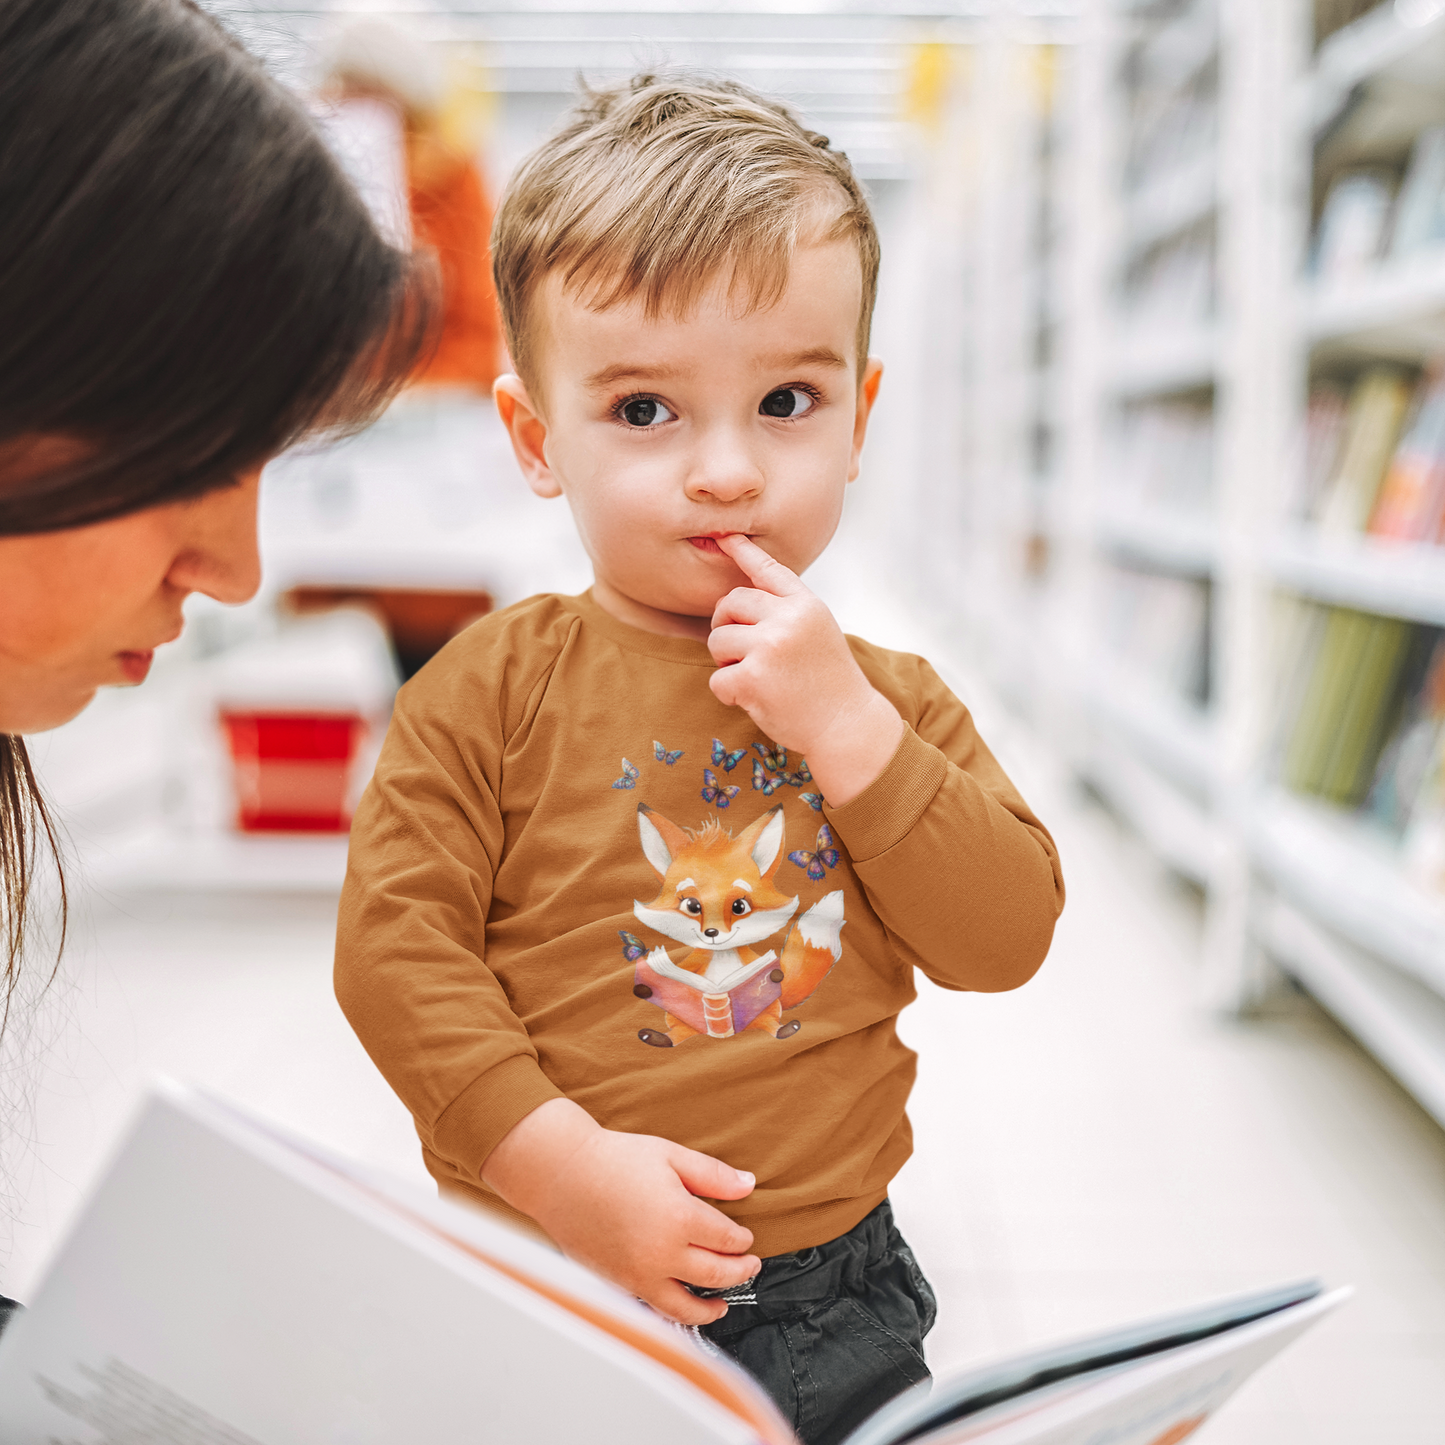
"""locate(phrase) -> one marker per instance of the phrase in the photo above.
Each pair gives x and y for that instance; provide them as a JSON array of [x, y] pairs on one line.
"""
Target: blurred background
[[1157, 478]]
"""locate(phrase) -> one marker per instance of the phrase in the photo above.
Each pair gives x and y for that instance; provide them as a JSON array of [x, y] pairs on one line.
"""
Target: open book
[[717, 1006], [229, 1285]]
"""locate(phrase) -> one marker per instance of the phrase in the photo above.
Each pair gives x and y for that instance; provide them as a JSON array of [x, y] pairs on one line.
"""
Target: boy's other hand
[[630, 1206], [783, 659]]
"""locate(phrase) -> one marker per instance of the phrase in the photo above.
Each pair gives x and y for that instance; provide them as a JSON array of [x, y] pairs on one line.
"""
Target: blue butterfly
[[766, 785], [633, 947], [802, 775], [812, 863], [814, 801], [714, 792], [774, 759], [725, 758], [662, 755], [629, 776]]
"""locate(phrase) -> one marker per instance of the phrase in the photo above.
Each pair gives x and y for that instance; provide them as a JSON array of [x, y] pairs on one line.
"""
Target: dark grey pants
[[832, 1332]]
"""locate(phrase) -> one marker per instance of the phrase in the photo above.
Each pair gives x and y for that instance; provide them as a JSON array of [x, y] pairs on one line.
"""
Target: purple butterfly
[[715, 792], [632, 946], [761, 781], [813, 800], [629, 776], [812, 863], [663, 755], [725, 758], [774, 759]]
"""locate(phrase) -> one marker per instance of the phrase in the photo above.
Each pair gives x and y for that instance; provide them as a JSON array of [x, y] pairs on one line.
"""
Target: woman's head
[[187, 281], [188, 284]]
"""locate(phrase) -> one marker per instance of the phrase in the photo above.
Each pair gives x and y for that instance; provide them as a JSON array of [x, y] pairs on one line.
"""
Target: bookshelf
[[1197, 141]]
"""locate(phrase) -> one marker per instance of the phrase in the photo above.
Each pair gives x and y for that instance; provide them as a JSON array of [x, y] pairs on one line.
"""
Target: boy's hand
[[627, 1206], [783, 658]]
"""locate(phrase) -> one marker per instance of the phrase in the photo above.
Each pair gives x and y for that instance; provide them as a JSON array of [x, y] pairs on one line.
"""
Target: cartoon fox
[[718, 896]]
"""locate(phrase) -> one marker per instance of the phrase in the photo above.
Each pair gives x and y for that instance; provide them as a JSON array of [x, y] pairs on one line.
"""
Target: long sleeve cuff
[[886, 810], [478, 1119]]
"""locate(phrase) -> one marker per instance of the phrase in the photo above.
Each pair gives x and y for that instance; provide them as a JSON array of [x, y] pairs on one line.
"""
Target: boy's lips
[[707, 541]]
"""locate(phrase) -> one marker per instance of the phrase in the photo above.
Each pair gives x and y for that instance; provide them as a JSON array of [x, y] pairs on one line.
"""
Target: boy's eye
[[741, 906], [788, 401], [644, 411], [692, 906]]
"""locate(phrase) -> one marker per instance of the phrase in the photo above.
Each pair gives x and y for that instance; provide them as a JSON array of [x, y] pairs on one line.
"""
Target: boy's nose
[[725, 472]]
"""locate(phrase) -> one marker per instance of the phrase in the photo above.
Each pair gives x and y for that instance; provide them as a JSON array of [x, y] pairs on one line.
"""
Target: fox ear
[[765, 840], [661, 840]]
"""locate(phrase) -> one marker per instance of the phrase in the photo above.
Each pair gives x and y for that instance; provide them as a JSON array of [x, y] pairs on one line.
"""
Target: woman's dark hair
[[188, 285]]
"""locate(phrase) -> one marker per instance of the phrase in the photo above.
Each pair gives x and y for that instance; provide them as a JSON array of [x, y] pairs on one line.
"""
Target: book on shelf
[[1353, 224], [1411, 503], [1376, 412], [1420, 210], [1173, 284], [1164, 457], [1325, 415], [1158, 625], [1408, 792], [229, 1283], [1347, 705]]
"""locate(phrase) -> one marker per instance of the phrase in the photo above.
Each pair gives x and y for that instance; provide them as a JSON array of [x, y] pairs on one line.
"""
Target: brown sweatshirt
[[577, 873]]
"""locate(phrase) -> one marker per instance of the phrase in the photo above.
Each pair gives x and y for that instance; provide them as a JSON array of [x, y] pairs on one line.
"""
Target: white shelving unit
[[1290, 884]]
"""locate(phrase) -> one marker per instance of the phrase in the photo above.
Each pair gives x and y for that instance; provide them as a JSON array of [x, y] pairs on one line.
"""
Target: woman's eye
[[787, 402], [741, 906], [692, 906], [645, 411]]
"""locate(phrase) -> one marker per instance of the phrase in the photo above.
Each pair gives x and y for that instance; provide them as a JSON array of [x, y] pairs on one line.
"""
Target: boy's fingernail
[[745, 1179]]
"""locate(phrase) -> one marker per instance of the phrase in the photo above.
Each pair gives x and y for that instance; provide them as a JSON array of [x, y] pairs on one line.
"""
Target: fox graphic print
[[720, 898]]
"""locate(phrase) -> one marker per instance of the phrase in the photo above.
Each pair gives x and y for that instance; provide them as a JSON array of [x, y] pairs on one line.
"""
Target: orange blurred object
[[451, 215]]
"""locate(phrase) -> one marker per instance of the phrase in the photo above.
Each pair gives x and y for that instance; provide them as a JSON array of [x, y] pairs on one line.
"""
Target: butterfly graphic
[[766, 785], [662, 755], [813, 800], [725, 758], [629, 776], [826, 853], [774, 759], [715, 792], [632, 946], [802, 775]]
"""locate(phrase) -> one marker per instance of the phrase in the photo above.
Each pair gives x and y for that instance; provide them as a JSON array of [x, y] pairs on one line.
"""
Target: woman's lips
[[135, 665]]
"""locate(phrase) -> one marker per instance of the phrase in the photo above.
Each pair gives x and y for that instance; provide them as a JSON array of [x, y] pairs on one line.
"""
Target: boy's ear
[[528, 432], [867, 395]]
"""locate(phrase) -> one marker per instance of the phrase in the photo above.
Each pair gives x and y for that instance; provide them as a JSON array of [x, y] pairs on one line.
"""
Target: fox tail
[[812, 948]]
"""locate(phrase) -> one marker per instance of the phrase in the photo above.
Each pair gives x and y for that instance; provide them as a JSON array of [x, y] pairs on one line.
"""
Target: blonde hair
[[656, 187]]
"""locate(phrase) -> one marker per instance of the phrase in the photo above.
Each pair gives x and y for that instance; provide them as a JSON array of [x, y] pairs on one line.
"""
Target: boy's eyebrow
[[813, 356], [609, 376]]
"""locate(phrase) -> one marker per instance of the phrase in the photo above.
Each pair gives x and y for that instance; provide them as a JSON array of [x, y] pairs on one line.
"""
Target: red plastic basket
[[292, 771]]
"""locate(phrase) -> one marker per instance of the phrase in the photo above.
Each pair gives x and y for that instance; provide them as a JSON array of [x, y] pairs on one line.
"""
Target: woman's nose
[[219, 553]]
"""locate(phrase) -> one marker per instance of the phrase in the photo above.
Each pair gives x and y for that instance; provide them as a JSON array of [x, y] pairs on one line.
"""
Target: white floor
[[1089, 1149]]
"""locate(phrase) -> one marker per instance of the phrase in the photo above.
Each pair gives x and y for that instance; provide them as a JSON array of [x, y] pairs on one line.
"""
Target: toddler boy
[[637, 892]]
